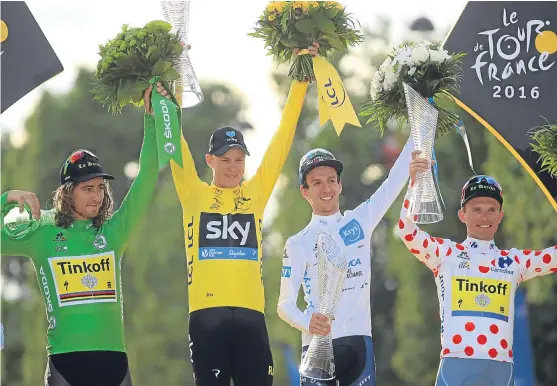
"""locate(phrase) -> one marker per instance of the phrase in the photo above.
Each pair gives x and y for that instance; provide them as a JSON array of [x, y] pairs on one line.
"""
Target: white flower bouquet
[[428, 69]]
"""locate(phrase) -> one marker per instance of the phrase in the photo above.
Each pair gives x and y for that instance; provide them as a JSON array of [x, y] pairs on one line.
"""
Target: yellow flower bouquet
[[285, 25]]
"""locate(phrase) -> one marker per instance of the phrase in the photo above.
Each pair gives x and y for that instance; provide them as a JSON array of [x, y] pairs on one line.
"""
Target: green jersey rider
[[76, 249]]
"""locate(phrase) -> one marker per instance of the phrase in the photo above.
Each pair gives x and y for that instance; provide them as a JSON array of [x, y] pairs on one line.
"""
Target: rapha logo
[[517, 47]]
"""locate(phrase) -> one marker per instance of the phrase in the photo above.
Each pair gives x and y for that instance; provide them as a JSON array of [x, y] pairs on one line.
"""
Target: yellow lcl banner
[[334, 103]]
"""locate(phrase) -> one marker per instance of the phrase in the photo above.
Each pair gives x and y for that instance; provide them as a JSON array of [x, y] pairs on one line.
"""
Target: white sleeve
[[374, 208], [293, 268]]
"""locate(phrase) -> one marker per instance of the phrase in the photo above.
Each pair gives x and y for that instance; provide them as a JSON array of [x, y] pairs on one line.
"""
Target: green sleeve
[[135, 204], [13, 246]]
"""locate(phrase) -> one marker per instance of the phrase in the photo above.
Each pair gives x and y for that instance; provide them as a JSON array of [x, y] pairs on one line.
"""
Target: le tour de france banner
[[510, 74], [26, 58]]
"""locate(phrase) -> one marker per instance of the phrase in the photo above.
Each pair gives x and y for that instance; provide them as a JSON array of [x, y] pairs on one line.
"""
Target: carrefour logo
[[504, 262], [351, 232]]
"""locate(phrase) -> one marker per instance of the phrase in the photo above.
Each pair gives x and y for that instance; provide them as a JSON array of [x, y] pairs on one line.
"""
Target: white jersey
[[476, 285], [352, 231]]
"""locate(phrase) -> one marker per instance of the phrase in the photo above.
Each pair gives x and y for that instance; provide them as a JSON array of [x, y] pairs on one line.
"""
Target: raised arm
[[431, 251], [293, 268], [372, 211], [137, 200], [277, 152], [534, 263], [185, 178]]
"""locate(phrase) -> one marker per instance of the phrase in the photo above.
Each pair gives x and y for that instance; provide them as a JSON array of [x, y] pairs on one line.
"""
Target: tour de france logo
[[505, 57], [3, 32]]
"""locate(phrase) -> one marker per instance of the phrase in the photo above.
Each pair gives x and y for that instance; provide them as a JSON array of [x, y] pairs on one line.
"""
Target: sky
[[221, 49]]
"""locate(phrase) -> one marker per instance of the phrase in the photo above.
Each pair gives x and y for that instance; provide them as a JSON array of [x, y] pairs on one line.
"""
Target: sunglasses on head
[[485, 180], [79, 154], [481, 179]]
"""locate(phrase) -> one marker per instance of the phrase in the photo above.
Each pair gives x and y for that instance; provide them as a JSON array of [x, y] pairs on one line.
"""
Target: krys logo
[[351, 232], [336, 94], [517, 48]]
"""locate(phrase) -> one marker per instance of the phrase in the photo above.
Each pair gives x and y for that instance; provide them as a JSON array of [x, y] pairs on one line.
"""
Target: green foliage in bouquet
[[424, 66], [286, 25], [130, 59], [546, 146]]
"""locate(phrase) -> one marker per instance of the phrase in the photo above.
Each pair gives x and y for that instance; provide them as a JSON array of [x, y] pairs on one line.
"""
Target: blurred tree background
[[404, 300]]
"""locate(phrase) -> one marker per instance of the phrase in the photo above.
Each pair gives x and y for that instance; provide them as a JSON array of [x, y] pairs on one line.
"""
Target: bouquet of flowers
[[546, 146], [131, 59], [428, 69], [286, 25]]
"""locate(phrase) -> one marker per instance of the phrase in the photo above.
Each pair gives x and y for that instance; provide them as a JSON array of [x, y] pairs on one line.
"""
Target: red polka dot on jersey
[[449, 251], [460, 247], [446, 351], [415, 251], [494, 329], [469, 351], [400, 224], [406, 204], [482, 339], [439, 240], [432, 239], [528, 263], [425, 244], [415, 232], [505, 253], [546, 258], [538, 270], [511, 353], [553, 269], [427, 256], [457, 339], [437, 252], [435, 273], [517, 259], [483, 269], [469, 326], [537, 253], [408, 237], [527, 252], [504, 344], [492, 353]]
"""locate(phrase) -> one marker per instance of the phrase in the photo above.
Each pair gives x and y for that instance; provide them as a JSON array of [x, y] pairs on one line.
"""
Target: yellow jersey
[[222, 226]]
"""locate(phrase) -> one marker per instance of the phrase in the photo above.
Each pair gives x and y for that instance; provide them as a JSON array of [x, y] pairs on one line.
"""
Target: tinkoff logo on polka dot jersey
[[84, 279], [486, 298]]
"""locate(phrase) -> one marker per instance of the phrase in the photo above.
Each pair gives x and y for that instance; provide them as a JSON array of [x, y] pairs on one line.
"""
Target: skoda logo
[[169, 148], [100, 242]]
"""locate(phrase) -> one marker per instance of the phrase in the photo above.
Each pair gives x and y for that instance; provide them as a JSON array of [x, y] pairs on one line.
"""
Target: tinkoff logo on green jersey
[[84, 279]]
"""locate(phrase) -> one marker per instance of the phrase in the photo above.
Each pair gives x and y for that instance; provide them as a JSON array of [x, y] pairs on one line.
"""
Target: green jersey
[[78, 268]]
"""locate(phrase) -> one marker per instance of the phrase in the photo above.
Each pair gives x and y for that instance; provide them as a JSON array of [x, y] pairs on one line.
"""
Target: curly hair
[[62, 200]]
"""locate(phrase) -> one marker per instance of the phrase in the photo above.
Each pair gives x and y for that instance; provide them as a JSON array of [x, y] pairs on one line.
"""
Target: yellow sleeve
[[277, 152], [185, 178]]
